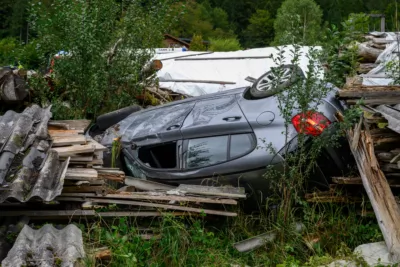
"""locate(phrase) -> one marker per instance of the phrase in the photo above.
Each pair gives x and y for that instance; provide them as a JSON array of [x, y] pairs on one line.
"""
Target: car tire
[[260, 88], [107, 120]]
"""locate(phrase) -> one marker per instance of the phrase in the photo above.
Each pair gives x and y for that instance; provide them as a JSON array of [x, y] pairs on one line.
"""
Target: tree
[[106, 52], [260, 31], [298, 21], [197, 43], [201, 19]]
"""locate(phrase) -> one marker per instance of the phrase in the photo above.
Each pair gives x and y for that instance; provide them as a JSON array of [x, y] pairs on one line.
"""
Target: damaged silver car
[[217, 137]]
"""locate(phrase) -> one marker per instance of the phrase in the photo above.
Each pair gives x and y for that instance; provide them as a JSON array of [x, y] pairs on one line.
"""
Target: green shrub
[[8, 51], [225, 45], [197, 43]]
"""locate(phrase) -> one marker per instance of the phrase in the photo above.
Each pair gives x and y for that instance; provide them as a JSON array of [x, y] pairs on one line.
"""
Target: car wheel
[[107, 120], [266, 85]]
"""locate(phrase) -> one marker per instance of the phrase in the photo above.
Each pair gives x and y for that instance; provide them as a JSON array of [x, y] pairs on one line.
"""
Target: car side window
[[207, 151], [240, 145]]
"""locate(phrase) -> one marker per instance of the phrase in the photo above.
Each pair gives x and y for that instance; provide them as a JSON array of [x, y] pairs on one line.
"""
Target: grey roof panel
[[46, 247], [28, 168]]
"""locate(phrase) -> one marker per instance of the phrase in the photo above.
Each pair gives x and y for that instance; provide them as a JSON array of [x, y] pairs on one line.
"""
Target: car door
[[215, 116]]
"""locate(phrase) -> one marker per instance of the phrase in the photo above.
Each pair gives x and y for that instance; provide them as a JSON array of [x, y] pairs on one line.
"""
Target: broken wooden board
[[153, 205], [69, 140], [80, 125], [84, 174], [69, 151], [113, 175], [222, 191], [378, 190], [152, 196]]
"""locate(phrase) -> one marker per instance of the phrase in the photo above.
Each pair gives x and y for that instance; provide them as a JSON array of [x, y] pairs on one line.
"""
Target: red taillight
[[310, 123]]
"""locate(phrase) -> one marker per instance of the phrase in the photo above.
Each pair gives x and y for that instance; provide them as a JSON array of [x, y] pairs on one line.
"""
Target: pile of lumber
[[375, 144], [181, 200], [381, 117], [370, 49], [88, 190]]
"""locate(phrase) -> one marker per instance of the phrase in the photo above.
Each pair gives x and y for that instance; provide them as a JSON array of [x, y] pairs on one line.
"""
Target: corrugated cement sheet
[[46, 247], [28, 167]]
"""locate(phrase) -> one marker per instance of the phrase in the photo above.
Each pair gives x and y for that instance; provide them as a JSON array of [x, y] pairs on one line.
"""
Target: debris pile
[[12, 86], [50, 169]]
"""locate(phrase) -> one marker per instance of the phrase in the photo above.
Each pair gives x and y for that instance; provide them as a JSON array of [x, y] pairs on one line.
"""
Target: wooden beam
[[159, 197], [153, 205], [383, 202]]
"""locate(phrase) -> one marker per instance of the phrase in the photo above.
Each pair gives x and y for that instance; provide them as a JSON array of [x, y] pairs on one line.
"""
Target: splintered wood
[[383, 202]]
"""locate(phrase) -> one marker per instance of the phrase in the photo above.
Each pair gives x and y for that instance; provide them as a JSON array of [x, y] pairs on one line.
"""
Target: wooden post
[[383, 202]]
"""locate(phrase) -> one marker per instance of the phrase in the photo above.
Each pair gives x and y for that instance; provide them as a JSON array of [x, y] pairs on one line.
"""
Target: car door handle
[[173, 127], [235, 118]]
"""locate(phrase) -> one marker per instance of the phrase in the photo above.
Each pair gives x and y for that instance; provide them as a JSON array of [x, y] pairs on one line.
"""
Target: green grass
[[331, 232]]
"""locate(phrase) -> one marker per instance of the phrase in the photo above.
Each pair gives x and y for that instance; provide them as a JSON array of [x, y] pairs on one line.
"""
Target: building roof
[[179, 40], [47, 246], [28, 168]]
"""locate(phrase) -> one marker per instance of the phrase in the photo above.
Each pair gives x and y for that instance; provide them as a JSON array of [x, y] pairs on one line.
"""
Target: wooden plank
[[156, 197], [79, 125], [147, 185], [47, 213], [231, 192], [378, 190], [81, 172], [347, 180], [141, 214], [98, 146], [153, 205], [83, 159], [69, 151], [376, 101], [83, 182], [69, 140], [345, 94], [58, 133], [84, 189]]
